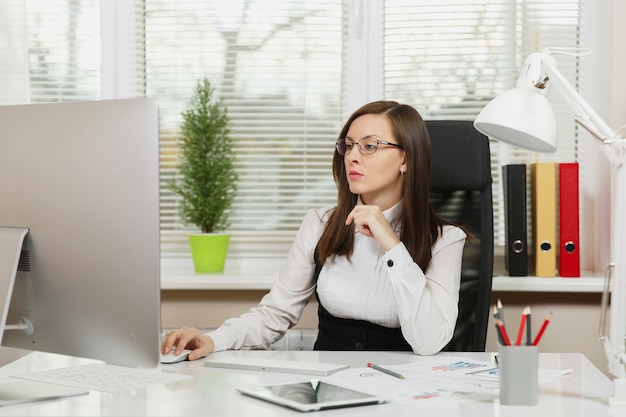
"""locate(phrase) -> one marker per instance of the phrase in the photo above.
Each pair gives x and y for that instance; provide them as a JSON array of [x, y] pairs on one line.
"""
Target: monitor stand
[[11, 243], [20, 391]]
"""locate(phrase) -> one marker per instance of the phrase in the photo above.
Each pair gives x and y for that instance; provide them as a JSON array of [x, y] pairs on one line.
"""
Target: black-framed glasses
[[367, 145]]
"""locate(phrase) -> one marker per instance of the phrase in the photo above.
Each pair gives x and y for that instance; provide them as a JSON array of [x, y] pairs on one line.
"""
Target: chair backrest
[[461, 193]]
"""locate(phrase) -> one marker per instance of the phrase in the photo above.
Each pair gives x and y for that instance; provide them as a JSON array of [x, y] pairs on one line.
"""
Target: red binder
[[569, 244]]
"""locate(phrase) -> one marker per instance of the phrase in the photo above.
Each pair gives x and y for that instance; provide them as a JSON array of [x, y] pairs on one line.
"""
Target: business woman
[[388, 267]]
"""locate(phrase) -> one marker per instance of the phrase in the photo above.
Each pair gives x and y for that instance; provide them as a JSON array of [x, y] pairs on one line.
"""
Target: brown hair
[[420, 225]]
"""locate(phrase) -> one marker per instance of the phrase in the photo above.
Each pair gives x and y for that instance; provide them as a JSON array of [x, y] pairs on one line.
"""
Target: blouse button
[[390, 263]]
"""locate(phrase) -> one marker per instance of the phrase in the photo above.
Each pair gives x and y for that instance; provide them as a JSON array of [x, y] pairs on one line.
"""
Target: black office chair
[[461, 192]]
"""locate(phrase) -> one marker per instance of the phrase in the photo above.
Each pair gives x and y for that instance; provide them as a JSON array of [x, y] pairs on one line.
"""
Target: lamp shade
[[521, 117]]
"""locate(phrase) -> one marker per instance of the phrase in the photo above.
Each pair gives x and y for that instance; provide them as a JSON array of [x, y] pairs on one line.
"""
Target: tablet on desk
[[311, 396]]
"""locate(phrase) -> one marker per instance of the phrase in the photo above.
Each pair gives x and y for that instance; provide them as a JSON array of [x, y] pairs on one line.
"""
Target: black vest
[[349, 334]]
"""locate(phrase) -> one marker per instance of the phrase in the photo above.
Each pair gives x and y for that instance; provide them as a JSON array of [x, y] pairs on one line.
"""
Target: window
[[278, 67], [290, 72], [450, 58], [58, 46]]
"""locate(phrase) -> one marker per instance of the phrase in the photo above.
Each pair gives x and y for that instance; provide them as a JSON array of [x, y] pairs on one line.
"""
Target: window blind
[[277, 66], [283, 69], [448, 59], [64, 50], [72, 50], [14, 84]]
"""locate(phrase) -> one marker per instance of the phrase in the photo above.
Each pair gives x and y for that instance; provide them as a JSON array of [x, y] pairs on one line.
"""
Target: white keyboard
[[103, 377], [275, 365]]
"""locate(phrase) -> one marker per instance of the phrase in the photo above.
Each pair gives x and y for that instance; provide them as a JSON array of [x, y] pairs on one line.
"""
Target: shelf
[[586, 284], [250, 274], [260, 273]]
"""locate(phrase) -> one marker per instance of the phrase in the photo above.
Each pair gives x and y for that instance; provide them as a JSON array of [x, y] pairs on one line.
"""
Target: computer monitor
[[82, 179]]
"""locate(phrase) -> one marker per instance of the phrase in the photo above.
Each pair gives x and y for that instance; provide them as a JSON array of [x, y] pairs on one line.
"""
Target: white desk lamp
[[523, 117]]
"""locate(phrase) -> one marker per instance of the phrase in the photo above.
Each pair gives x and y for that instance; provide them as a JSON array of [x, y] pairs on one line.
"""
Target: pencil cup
[[518, 374]]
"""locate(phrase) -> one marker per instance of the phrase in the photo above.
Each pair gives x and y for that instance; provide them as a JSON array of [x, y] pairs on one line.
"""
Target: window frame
[[597, 84]]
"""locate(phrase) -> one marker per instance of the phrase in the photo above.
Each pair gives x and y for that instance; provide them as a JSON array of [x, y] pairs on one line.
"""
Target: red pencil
[[522, 323], [505, 336], [543, 328]]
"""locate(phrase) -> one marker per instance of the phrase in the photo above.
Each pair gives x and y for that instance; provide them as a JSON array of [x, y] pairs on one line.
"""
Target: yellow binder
[[544, 218]]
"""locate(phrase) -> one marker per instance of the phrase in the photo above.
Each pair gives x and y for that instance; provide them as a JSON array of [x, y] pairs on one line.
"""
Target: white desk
[[211, 391]]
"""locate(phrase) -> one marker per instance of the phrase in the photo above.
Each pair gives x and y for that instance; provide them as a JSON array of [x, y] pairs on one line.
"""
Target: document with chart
[[440, 379]]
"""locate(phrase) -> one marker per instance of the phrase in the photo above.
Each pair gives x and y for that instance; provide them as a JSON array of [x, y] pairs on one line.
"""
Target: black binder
[[515, 220]]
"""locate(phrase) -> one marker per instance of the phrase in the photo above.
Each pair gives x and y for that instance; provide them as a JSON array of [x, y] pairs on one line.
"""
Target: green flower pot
[[208, 251]]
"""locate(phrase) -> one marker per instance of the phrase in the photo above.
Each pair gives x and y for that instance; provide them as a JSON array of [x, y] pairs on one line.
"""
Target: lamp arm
[[586, 116], [614, 345], [613, 146]]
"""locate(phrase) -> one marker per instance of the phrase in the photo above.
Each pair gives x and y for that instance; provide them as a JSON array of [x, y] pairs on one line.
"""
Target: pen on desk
[[384, 370], [528, 330], [502, 330], [542, 329], [495, 319], [522, 323]]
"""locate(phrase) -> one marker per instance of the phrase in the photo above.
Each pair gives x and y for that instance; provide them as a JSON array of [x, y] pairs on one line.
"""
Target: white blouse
[[389, 289]]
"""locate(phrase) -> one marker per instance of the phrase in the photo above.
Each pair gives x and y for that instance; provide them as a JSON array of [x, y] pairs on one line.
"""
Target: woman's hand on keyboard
[[188, 338]]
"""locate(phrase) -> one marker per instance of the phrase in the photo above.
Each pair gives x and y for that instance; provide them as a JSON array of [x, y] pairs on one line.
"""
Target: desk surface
[[212, 391]]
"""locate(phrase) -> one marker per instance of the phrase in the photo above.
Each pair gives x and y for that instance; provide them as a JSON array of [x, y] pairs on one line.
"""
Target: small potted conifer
[[207, 180]]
